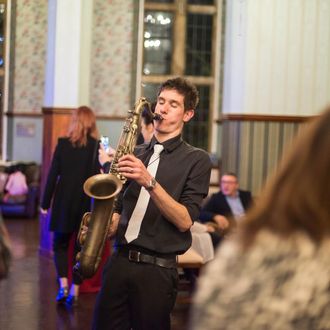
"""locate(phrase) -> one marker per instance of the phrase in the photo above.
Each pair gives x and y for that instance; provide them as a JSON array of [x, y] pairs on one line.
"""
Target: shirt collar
[[235, 196], [169, 145]]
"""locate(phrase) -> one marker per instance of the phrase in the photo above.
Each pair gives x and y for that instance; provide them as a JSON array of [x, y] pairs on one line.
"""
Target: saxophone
[[104, 189]]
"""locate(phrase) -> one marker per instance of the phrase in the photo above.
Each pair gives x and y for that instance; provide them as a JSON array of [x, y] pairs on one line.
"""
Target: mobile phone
[[105, 142]]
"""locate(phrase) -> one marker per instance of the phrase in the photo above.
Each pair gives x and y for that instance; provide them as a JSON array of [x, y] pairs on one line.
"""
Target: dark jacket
[[70, 167], [217, 204]]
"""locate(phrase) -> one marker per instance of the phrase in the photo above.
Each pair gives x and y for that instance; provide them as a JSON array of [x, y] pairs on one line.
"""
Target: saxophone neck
[[144, 104], [131, 129]]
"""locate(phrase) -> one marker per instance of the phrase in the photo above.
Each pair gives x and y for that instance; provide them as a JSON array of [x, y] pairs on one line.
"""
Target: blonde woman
[[74, 160]]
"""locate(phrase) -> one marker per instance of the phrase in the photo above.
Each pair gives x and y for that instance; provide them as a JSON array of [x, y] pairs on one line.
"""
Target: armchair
[[28, 207]]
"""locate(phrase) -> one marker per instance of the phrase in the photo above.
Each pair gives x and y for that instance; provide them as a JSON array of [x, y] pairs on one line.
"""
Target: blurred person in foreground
[[274, 272], [74, 160]]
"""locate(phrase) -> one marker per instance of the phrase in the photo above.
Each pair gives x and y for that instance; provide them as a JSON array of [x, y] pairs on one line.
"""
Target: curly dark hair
[[185, 88]]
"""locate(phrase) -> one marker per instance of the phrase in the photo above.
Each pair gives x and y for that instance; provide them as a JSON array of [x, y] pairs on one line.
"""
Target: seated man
[[226, 207]]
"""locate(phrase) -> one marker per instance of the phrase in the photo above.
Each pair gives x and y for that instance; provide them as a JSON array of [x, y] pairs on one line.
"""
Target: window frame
[[180, 10]]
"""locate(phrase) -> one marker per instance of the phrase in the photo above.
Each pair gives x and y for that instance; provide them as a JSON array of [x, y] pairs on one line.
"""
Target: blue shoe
[[71, 301], [62, 295]]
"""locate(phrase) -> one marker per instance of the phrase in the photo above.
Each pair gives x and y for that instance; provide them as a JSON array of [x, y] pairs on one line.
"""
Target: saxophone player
[[167, 180]]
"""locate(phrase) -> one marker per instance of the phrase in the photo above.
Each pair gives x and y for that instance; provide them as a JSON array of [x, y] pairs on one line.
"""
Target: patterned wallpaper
[[111, 67], [111, 60], [30, 55]]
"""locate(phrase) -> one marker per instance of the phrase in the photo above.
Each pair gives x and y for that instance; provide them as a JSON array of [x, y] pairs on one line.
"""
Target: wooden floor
[[27, 296]]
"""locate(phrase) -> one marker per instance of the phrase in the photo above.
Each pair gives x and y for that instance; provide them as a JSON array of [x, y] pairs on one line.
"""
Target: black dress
[[70, 167]]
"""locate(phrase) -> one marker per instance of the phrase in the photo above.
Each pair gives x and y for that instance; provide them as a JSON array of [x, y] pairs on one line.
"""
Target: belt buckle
[[134, 255]]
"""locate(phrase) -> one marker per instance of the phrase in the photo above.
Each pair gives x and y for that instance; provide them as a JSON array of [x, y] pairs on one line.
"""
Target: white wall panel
[[293, 68], [322, 70], [67, 51], [279, 55], [235, 56], [308, 55], [285, 47]]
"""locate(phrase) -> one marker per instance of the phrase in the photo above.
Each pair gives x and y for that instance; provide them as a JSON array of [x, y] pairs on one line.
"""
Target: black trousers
[[136, 296], [61, 243]]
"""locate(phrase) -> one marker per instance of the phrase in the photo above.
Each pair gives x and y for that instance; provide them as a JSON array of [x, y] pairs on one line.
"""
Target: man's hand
[[221, 221], [210, 228], [133, 168]]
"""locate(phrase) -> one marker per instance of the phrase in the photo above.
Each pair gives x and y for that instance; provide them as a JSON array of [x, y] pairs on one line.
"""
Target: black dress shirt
[[184, 173]]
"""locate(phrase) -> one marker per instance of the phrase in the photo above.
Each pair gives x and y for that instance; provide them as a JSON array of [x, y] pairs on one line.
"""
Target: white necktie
[[135, 221]]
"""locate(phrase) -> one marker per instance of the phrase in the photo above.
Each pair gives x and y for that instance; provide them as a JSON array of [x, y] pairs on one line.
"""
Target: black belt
[[137, 256]]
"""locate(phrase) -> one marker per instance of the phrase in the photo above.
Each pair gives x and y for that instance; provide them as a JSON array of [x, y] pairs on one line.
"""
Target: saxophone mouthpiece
[[157, 116]]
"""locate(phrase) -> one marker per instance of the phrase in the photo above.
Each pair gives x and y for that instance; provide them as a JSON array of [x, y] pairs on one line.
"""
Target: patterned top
[[278, 284]]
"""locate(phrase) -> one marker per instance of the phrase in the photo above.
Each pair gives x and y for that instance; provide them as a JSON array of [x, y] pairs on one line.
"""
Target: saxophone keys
[[86, 218], [84, 228]]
